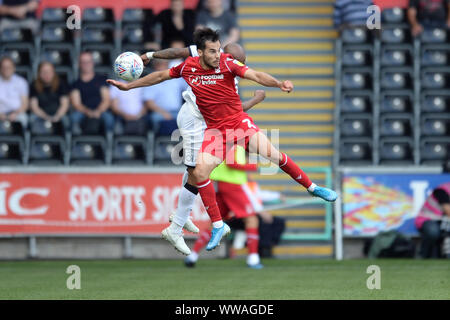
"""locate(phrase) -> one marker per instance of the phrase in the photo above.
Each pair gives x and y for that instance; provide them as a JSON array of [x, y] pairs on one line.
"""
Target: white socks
[[186, 200], [218, 224], [253, 258], [312, 187]]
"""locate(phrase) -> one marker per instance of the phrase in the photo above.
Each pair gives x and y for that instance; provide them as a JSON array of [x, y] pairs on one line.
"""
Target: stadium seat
[[132, 150], [435, 35], [356, 126], [98, 17], [356, 151], [353, 57], [54, 15], [47, 150], [396, 56], [88, 150], [56, 34], [8, 128], [356, 79], [398, 151], [391, 34], [58, 57], [396, 78], [356, 102], [435, 57], [396, 101], [16, 36], [41, 127], [434, 150], [355, 35], [20, 56], [97, 35], [435, 125], [136, 15], [398, 125], [12, 150], [393, 16], [432, 102], [435, 78], [20, 41]]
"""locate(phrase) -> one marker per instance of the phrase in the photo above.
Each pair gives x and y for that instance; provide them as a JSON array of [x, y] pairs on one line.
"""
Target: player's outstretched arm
[[259, 96], [169, 53], [149, 80], [267, 80]]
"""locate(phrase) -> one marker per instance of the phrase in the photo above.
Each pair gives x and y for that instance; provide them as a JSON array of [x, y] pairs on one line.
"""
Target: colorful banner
[[380, 202], [90, 203]]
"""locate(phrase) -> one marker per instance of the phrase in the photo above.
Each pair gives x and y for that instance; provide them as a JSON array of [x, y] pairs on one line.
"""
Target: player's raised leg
[[205, 165], [260, 144]]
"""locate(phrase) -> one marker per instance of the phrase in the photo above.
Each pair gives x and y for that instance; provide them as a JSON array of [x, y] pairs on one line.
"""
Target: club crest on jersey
[[194, 80], [193, 69]]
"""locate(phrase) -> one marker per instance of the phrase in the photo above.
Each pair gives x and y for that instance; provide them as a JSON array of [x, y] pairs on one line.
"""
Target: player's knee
[[199, 175]]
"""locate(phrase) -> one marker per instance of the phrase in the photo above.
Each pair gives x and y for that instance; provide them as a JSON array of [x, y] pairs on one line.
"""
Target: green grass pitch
[[280, 279]]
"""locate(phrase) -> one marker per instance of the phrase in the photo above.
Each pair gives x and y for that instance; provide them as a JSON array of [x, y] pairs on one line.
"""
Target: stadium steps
[[294, 39]]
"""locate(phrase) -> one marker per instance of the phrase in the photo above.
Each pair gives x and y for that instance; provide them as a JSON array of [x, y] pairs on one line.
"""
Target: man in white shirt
[[13, 93], [164, 99], [128, 106]]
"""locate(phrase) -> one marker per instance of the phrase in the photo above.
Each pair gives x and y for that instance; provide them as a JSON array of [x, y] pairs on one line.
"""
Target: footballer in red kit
[[211, 77], [219, 103]]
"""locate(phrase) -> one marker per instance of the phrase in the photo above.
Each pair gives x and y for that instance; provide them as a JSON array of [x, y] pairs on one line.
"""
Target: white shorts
[[192, 130]]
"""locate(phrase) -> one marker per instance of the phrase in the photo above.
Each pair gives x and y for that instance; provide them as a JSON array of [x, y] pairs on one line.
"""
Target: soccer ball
[[128, 66]]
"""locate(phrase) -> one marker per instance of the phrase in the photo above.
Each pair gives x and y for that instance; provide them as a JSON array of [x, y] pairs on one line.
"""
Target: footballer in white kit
[[192, 127]]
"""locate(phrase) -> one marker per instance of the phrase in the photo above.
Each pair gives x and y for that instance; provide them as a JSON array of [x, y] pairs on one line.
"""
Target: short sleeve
[[237, 68], [175, 72]]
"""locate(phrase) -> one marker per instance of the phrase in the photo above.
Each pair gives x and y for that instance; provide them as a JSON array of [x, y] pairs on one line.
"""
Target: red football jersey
[[214, 89]]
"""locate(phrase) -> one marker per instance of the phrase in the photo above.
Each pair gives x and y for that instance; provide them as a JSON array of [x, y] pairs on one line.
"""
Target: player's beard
[[210, 65]]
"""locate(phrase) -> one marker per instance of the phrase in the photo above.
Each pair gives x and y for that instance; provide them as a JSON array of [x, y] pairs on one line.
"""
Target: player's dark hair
[[205, 34]]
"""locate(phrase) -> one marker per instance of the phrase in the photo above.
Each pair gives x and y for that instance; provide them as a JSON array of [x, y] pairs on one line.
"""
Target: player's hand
[[286, 86], [120, 85], [145, 59], [260, 95]]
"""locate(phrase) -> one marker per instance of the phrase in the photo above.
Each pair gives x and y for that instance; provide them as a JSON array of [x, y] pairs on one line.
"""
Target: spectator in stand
[[428, 14], [49, 96], [351, 13], [428, 221], [179, 44], [216, 18], [165, 98], [132, 115], [176, 23], [227, 5], [18, 14], [90, 97], [13, 93]]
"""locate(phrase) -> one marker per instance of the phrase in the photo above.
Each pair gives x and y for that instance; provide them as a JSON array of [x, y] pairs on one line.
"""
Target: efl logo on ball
[[128, 66]]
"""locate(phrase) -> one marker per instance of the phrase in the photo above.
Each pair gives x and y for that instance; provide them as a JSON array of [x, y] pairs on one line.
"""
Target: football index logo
[[194, 80]]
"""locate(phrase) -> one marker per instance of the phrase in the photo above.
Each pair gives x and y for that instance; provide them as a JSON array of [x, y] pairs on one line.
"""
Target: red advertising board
[[90, 203]]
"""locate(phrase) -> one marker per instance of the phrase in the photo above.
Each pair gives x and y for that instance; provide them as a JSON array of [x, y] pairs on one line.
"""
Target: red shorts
[[219, 142], [235, 200]]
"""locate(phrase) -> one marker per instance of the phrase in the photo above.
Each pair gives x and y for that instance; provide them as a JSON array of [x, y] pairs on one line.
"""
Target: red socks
[[289, 166], [208, 194], [201, 241], [252, 240]]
